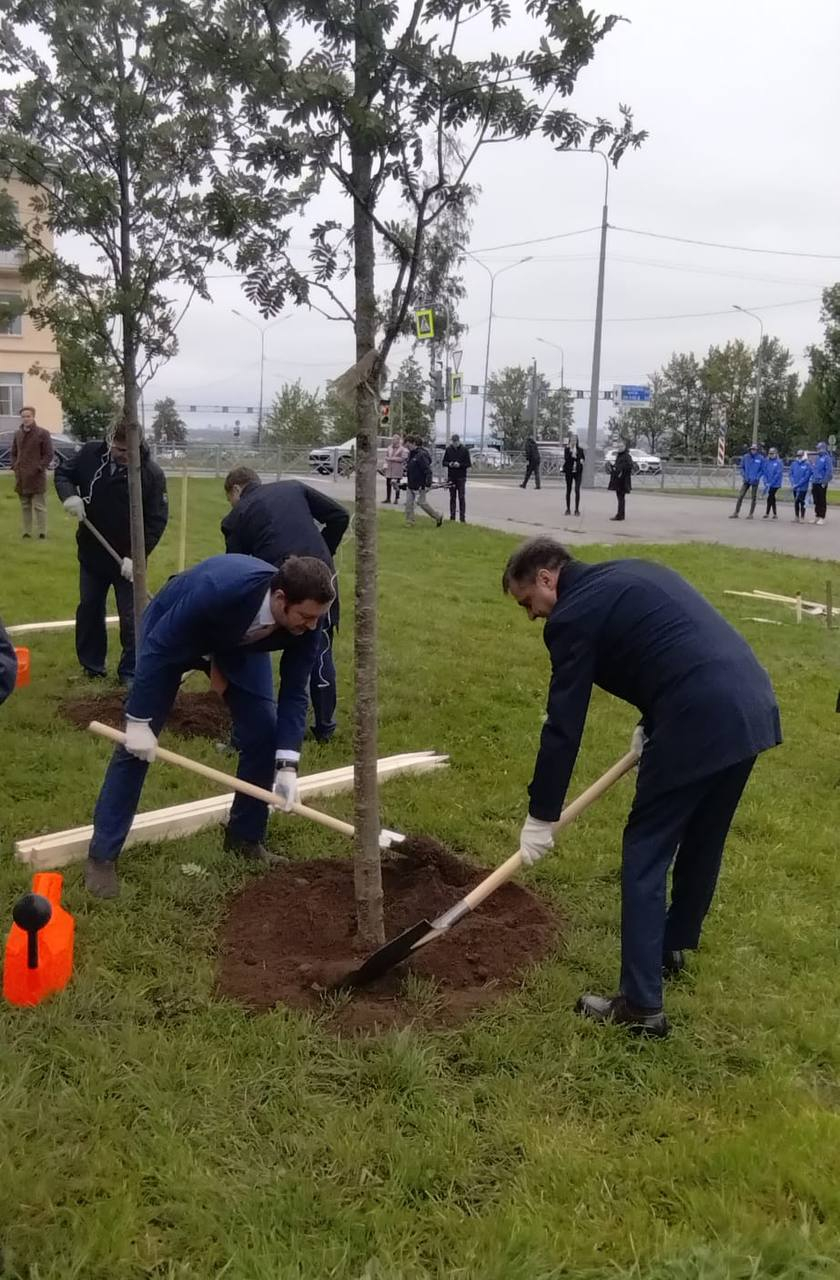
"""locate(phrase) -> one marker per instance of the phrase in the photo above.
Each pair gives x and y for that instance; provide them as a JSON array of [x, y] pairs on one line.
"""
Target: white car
[[646, 464], [341, 457]]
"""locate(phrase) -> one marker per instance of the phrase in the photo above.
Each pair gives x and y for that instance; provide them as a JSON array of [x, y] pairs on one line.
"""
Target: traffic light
[[384, 412]]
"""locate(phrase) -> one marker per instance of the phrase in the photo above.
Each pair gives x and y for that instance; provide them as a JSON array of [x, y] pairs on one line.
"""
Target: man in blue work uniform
[[8, 664], [640, 632], [823, 472], [288, 518], [752, 469], [224, 615]]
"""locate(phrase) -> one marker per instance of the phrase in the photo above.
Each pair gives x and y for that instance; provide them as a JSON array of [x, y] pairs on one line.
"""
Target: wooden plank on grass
[[29, 628], [48, 852]]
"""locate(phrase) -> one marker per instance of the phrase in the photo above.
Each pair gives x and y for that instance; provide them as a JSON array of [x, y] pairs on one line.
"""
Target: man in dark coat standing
[[32, 454], [456, 459], [288, 518], [224, 616], [533, 462], [8, 664], [621, 472], [641, 633], [93, 486]]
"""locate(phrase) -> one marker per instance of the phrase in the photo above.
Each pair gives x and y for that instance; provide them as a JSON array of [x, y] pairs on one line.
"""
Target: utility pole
[[492, 275], [535, 403], [592, 427]]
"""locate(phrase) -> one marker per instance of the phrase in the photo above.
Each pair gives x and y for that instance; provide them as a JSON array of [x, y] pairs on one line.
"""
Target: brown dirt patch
[[195, 715], [289, 936]]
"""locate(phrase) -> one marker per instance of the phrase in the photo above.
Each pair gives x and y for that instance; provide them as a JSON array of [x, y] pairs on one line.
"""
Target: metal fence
[[505, 468]]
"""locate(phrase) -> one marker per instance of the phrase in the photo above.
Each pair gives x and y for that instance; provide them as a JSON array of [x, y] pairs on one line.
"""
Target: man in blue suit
[[8, 664], [640, 632], [752, 469], [224, 615]]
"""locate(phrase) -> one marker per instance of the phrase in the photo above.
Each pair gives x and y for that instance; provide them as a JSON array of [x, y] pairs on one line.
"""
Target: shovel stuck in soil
[[386, 838], [425, 931]]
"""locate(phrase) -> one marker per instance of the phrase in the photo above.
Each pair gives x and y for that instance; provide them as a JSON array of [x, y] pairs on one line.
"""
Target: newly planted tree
[[384, 108], [112, 124]]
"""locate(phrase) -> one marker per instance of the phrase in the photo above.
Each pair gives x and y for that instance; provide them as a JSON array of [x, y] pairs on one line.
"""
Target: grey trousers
[[418, 496]]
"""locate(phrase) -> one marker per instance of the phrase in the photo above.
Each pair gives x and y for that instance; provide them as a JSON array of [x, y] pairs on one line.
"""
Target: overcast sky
[[742, 101]]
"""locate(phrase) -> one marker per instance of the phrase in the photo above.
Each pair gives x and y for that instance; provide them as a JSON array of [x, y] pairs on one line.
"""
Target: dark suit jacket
[[640, 632], [206, 611], [105, 489], [8, 664]]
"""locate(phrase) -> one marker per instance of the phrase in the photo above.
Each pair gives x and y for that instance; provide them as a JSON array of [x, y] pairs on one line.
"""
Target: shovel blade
[[386, 957]]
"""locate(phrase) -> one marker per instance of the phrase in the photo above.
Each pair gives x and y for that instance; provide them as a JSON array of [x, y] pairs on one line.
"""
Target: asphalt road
[[650, 518]]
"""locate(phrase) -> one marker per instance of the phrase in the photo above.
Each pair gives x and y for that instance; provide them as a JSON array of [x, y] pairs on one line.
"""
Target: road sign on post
[[632, 397], [456, 387], [424, 322]]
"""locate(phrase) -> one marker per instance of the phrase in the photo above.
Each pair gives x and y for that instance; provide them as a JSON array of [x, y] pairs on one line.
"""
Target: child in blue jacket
[[772, 478], [800, 479]]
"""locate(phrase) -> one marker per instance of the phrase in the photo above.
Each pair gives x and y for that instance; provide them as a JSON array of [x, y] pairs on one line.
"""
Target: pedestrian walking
[[396, 456], [752, 469], [573, 460], [224, 616], [639, 631], [32, 455], [456, 459], [93, 485], [621, 471], [823, 472], [801, 472], [8, 664], [772, 481], [418, 476], [289, 518], [533, 461]]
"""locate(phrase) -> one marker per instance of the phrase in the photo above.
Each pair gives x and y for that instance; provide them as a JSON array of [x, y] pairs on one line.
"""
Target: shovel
[[104, 541], [386, 838], [425, 931]]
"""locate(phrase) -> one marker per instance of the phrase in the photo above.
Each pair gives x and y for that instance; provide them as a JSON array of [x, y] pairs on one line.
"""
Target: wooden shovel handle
[[104, 541], [228, 780], [509, 869]]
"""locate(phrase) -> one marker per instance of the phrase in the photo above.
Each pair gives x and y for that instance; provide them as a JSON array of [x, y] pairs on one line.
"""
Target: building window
[[11, 394], [10, 326]]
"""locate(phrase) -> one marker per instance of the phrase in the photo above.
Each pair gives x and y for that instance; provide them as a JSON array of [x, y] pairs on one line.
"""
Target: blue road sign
[[634, 395]]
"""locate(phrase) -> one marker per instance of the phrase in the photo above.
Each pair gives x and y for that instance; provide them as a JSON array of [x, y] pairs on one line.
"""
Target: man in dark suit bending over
[[640, 632]]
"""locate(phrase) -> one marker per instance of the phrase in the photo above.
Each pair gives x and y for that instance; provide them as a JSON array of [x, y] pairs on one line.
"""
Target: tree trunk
[[368, 871], [131, 396]]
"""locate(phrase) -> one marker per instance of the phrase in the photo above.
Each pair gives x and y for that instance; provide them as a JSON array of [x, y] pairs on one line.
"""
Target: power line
[[685, 315], [519, 244], [738, 248]]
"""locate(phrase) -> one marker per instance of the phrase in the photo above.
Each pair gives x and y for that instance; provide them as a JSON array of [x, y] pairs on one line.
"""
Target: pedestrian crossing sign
[[424, 320]]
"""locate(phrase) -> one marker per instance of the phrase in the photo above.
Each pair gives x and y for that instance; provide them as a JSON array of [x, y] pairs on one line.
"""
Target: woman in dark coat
[[620, 474], [573, 460]]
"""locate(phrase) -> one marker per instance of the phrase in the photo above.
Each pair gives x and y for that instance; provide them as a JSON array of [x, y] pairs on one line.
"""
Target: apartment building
[[22, 346]]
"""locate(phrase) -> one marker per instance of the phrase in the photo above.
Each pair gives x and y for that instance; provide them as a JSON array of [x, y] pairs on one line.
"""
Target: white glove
[[139, 739], [285, 787], [535, 840], [127, 569], [638, 741], [74, 506]]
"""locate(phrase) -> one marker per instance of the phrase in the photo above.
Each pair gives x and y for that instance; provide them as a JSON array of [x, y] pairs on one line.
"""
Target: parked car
[[328, 458], [64, 448], [646, 464]]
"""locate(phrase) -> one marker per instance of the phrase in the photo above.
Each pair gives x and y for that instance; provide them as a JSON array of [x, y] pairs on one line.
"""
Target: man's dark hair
[[304, 578], [526, 562], [241, 476]]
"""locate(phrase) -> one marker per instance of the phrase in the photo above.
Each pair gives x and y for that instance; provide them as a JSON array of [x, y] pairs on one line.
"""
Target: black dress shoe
[[616, 1009], [673, 963], [253, 851]]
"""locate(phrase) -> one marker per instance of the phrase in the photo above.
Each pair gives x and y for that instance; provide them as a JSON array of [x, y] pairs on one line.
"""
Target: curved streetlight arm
[[492, 274]]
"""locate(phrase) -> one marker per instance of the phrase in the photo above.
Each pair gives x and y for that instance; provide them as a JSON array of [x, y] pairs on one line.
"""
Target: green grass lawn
[[149, 1130]]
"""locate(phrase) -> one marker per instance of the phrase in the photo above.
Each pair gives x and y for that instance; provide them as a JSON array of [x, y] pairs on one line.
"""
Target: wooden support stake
[[182, 532], [799, 606]]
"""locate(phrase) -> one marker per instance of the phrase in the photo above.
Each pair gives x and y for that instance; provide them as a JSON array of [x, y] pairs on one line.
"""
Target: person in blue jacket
[[800, 480], [772, 481], [640, 632], [752, 469], [8, 664], [823, 472], [224, 616]]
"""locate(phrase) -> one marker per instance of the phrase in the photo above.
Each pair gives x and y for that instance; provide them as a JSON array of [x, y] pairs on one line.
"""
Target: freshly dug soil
[[289, 937], [195, 715]]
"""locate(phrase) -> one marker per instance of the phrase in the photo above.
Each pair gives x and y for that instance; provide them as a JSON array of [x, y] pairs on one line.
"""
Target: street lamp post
[[262, 329], [557, 347], [592, 426], [492, 275], [745, 312]]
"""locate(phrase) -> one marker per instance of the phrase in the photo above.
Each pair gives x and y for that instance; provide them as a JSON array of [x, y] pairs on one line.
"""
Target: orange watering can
[[23, 668], [39, 947]]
